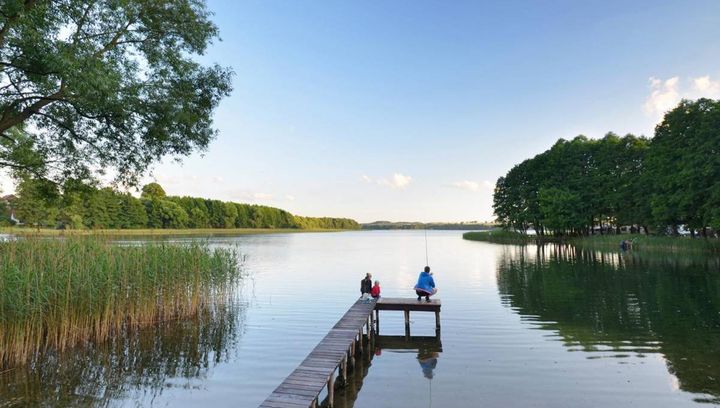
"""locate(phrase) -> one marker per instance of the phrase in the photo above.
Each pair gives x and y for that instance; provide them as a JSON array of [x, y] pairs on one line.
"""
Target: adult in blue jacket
[[425, 285]]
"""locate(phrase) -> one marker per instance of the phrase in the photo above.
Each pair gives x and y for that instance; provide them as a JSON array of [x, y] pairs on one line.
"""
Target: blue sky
[[410, 110]]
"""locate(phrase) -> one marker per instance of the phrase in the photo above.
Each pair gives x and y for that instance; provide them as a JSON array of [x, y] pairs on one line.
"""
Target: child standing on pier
[[375, 291]]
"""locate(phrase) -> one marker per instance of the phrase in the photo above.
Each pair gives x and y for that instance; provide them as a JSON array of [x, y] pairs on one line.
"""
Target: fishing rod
[[427, 262]]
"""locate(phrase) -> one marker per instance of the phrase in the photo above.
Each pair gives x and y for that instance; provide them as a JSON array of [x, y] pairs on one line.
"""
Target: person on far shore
[[425, 285], [366, 286], [375, 291]]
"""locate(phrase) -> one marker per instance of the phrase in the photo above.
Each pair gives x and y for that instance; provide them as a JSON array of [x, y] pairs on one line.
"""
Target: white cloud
[[666, 94], [467, 185], [474, 185], [663, 97], [290, 197], [400, 180], [397, 180], [707, 86]]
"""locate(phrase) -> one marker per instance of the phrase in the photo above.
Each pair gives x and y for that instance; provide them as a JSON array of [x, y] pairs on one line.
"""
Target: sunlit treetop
[[104, 85]]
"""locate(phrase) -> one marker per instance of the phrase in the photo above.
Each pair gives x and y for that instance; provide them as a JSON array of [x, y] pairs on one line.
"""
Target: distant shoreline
[[448, 226], [159, 232], [602, 242]]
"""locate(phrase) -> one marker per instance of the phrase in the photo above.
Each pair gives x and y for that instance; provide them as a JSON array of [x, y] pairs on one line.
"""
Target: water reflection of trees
[[623, 303], [138, 365]]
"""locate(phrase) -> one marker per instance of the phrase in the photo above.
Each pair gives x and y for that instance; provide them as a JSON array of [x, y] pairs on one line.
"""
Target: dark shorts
[[423, 293]]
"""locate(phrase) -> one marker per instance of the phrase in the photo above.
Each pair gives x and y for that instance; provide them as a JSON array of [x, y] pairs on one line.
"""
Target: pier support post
[[377, 321], [360, 341], [343, 369], [407, 323], [331, 390], [370, 328], [437, 320]]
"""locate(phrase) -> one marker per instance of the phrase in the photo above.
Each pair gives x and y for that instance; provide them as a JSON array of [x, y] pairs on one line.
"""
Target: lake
[[522, 326]]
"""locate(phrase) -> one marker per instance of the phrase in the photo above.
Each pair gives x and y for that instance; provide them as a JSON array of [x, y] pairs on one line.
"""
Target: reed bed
[[650, 243], [499, 236], [57, 293]]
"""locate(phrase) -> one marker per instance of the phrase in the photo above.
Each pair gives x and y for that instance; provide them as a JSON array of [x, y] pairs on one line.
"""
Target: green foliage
[[4, 214], [165, 214], [152, 190], [670, 181], [105, 84], [85, 207], [576, 186], [36, 202], [56, 293], [326, 223], [499, 236], [560, 209], [684, 162]]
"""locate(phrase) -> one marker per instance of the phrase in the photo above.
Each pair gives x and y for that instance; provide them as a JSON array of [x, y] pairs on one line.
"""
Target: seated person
[[366, 286], [375, 291]]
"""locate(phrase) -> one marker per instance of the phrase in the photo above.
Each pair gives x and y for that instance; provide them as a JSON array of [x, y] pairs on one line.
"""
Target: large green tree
[[105, 84], [684, 165]]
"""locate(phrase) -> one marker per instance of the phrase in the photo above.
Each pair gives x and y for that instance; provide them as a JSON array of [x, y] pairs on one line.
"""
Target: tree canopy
[[105, 84], [576, 186], [76, 205]]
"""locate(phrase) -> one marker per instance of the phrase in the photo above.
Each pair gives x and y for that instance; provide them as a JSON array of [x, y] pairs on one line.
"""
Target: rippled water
[[521, 326]]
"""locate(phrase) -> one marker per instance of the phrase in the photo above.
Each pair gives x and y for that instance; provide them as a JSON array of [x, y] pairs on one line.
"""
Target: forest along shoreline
[[620, 192], [43, 205]]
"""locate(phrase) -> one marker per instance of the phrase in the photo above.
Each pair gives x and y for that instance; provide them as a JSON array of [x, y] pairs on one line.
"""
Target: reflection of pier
[[413, 344], [425, 347], [336, 353]]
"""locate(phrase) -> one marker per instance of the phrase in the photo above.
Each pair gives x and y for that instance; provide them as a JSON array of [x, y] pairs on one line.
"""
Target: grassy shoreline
[[602, 242], [156, 232], [57, 293]]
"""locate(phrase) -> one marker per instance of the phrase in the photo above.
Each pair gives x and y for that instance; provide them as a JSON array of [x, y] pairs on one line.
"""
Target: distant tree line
[[41, 203], [388, 225], [585, 186]]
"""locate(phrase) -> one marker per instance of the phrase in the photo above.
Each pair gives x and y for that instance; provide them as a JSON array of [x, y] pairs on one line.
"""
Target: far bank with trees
[[41, 204], [664, 185]]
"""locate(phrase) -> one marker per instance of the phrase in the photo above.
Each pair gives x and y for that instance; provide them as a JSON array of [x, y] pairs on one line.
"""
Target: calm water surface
[[522, 326]]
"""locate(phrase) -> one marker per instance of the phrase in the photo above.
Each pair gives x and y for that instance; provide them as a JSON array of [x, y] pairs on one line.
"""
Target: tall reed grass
[[650, 243], [499, 236], [56, 293]]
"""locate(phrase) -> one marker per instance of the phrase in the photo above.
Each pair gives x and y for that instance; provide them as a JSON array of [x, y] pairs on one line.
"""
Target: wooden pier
[[336, 352], [408, 305]]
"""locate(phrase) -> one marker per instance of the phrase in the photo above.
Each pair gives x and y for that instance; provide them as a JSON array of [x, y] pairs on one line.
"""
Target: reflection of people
[[428, 361], [375, 291], [366, 286], [425, 285], [626, 244]]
